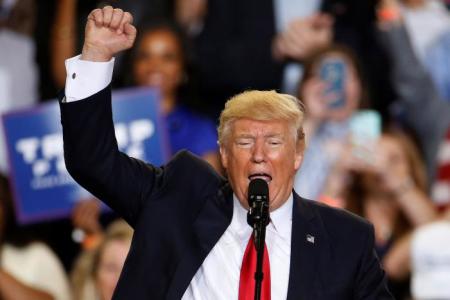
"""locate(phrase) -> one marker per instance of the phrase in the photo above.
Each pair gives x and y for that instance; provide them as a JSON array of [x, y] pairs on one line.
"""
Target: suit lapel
[[309, 247], [211, 223]]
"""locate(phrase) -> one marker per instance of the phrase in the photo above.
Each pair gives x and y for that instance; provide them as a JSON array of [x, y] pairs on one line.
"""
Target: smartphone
[[333, 73], [365, 129]]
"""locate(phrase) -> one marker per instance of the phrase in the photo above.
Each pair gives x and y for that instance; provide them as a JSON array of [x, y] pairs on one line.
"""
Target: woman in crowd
[[28, 270], [421, 108], [391, 192], [97, 271], [329, 108], [161, 60]]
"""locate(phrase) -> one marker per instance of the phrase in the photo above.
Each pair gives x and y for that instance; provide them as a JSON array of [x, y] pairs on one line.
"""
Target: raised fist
[[108, 31]]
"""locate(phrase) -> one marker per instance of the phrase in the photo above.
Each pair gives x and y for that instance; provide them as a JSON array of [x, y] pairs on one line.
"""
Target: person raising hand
[[108, 32]]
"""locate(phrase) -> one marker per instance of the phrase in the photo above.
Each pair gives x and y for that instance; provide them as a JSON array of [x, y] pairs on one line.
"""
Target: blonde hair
[[86, 266], [119, 230], [262, 106]]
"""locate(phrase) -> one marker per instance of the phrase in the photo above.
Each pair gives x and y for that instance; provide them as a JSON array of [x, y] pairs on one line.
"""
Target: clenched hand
[[108, 31]]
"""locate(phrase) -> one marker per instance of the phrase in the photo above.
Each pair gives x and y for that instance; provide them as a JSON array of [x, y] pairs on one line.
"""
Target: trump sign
[[42, 187]]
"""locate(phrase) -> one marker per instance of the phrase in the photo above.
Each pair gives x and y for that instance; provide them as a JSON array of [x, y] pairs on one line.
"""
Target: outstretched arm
[[90, 147]]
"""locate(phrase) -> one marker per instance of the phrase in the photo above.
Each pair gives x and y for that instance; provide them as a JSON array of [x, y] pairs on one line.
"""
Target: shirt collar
[[280, 219], [239, 220]]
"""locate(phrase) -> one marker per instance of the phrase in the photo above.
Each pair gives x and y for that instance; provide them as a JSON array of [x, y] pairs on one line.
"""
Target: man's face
[[262, 149]]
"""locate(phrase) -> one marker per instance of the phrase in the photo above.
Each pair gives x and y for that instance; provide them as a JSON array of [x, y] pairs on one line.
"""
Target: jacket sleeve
[[371, 283], [93, 159]]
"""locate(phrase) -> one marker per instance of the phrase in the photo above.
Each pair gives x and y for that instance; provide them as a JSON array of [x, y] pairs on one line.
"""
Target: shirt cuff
[[86, 78]]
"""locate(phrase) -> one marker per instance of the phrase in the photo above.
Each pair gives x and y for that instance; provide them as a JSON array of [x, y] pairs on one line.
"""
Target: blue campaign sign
[[43, 189]]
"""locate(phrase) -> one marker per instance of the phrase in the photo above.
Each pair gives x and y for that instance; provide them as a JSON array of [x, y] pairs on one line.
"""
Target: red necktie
[[248, 268]]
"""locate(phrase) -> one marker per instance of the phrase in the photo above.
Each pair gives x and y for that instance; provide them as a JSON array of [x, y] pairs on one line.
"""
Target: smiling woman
[[160, 60]]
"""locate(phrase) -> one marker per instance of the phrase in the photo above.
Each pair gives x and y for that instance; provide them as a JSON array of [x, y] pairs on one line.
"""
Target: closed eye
[[275, 142], [244, 142]]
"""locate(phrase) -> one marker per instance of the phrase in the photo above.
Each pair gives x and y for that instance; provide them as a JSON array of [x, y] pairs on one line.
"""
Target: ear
[[298, 160], [299, 154], [223, 156]]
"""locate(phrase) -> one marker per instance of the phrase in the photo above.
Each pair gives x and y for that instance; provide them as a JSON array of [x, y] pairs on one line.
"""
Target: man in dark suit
[[190, 223]]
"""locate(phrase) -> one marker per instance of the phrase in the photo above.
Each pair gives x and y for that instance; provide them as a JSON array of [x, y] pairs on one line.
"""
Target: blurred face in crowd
[[159, 62], [393, 157], [390, 157], [262, 149], [110, 265]]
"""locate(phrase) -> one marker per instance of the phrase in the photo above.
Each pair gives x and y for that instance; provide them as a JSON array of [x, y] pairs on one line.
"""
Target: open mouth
[[263, 176]]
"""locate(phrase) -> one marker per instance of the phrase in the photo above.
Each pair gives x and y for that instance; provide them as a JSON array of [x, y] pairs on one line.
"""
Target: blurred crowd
[[374, 80]]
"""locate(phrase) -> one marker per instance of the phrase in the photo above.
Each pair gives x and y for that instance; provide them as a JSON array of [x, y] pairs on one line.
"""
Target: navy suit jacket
[[180, 210]]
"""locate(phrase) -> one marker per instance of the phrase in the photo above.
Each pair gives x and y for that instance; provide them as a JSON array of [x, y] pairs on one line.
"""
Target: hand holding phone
[[365, 128], [333, 73]]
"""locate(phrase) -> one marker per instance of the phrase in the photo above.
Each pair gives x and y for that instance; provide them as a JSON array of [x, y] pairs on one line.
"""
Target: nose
[[259, 153], [151, 61], [154, 64]]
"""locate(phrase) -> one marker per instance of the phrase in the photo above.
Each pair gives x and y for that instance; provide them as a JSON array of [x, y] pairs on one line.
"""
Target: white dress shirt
[[85, 78], [218, 276]]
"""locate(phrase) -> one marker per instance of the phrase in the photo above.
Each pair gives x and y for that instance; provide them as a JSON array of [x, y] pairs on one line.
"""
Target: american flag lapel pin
[[310, 238]]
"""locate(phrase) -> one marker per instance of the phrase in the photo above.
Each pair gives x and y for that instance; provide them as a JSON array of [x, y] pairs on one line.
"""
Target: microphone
[[258, 219], [258, 200]]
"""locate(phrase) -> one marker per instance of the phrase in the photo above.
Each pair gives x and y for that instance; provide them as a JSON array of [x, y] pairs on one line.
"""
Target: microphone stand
[[258, 218]]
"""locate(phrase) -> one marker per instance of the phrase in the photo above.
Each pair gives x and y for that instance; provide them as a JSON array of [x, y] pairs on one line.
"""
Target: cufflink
[[310, 238]]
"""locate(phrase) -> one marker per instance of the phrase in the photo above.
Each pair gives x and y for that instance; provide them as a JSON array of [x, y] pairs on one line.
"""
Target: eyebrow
[[251, 136]]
